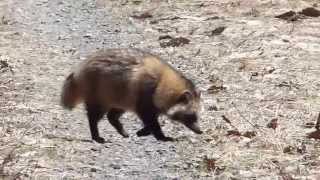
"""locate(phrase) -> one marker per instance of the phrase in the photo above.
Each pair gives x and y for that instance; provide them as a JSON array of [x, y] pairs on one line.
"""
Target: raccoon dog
[[113, 81]]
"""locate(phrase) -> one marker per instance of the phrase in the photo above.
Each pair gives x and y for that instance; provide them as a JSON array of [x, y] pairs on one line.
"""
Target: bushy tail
[[70, 95]]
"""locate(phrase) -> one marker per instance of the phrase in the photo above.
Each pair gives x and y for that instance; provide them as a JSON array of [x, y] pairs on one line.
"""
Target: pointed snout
[[194, 127]]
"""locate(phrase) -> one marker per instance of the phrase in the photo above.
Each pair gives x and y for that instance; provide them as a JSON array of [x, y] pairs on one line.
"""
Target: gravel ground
[[260, 78]]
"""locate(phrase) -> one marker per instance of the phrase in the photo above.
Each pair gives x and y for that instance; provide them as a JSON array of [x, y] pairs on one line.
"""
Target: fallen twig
[[228, 121], [318, 122], [241, 115]]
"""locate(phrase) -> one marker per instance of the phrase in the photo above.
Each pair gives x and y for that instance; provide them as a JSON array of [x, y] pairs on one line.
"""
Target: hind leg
[[113, 117], [95, 113]]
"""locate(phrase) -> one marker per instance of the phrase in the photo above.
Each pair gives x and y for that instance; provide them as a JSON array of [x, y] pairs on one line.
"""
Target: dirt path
[[258, 68]]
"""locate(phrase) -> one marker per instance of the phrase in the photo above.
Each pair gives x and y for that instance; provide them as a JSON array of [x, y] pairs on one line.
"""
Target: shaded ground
[[252, 67]]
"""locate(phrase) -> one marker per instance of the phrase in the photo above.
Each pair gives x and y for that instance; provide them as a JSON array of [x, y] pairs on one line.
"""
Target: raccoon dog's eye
[[185, 97]]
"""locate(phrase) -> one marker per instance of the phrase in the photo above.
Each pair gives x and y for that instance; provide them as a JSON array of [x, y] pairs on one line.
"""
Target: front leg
[[148, 112], [152, 125], [143, 132], [158, 134], [147, 131]]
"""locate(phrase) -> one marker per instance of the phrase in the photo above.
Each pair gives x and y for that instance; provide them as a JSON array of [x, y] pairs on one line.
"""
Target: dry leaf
[[288, 149], [249, 134], [302, 149], [213, 108], [311, 12], [289, 16], [314, 134], [286, 177], [233, 133], [3, 64], [273, 123], [173, 42], [216, 31], [143, 15], [309, 125], [216, 87], [210, 163]]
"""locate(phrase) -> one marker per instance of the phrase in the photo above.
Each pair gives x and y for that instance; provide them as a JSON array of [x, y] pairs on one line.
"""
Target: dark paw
[[143, 132], [165, 139], [124, 134], [99, 140]]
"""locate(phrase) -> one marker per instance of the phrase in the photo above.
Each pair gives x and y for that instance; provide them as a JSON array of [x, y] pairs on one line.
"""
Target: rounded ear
[[185, 97]]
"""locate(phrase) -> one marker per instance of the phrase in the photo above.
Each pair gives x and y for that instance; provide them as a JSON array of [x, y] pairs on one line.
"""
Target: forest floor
[[260, 77]]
